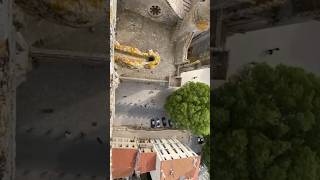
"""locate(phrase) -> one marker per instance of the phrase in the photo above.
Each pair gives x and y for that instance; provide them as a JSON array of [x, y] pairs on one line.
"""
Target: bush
[[267, 125], [189, 107]]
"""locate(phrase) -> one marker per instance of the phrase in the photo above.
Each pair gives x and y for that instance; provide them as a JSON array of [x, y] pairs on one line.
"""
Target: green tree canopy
[[189, 107], [267, 125]]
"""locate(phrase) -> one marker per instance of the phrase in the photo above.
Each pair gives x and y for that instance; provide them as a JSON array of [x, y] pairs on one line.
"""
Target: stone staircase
[[180, 7], [187, 4]]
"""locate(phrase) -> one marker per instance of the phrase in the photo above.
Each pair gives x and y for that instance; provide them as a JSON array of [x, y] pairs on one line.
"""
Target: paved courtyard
[[138, 102], [143, 33]]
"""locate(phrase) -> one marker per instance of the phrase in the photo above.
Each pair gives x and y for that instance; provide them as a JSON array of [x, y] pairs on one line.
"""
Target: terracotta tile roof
[[186, 167], [123, 162], [147, 162]]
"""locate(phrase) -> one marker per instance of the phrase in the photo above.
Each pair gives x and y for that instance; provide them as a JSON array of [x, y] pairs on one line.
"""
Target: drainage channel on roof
[[155, 11]]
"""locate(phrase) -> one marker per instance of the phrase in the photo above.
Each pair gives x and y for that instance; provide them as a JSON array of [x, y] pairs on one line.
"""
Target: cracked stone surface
[[80, 40], [75, 13], [166, 15], [143, 33], [48, 35]]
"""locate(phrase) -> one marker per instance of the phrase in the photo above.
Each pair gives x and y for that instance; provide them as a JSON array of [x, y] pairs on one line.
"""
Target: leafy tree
[[189, 107], [267, 125]]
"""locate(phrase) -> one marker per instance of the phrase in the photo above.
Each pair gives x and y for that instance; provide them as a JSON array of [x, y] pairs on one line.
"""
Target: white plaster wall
[[201, 75], [299, 46], [155, 175]]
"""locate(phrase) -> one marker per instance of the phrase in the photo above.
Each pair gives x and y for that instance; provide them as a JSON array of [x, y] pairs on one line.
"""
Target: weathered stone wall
[[244, 16], [7, 92], [166, 13], [76, 13], [113, 74]]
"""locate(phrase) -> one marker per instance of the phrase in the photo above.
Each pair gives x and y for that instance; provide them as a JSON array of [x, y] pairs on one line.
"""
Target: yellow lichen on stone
[[155, 62], [128, 49], [131, 63], [134, 58], [202, 25]]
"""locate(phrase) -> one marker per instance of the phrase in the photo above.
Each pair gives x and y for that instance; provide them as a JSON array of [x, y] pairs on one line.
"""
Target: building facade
[[167, 159]]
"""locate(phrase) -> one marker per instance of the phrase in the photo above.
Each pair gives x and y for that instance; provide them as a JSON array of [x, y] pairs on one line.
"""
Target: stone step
[[187, 5]]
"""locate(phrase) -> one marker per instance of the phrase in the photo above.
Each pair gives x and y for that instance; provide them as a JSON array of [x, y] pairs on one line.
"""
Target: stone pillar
[[7, 92], [196, 21], [113, 74]]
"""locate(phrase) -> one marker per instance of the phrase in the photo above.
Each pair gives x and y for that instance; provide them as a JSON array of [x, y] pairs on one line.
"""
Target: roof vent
[[171, 172], [155, 11]]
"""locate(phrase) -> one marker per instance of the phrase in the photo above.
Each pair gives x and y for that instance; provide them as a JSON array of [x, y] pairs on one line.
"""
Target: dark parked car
[[164, 122], [170, 123], [158, 123], [153, 123], [200, 140]]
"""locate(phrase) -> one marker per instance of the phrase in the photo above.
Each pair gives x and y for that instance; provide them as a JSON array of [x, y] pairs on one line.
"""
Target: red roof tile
[[123, 162], [147, 162], [186, 167]]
